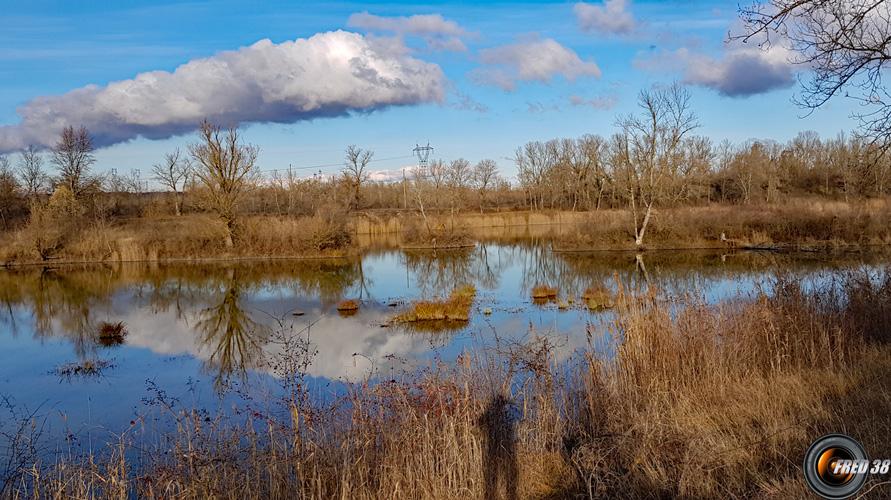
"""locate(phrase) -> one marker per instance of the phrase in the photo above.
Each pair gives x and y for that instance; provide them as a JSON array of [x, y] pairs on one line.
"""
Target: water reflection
[[234, 339], [224, 315]]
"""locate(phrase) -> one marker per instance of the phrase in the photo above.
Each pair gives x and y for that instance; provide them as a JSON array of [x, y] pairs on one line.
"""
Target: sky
[[305, 79]]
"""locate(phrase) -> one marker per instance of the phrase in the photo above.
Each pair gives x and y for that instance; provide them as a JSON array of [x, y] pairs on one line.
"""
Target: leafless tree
[[533, 161], [31, 174], [650, 144], [460, 174], [846, 45], [173, 174], [226, 169], [438, 172], [73, 157], [355, 171], [485, 173]]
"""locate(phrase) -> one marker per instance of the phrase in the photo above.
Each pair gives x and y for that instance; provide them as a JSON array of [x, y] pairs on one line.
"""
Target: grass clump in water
[[348, 307], [598, 297], [111, 334], [455, 308]]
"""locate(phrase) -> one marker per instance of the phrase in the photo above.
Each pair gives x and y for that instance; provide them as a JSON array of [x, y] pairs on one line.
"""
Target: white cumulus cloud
[[533, 59], [329, 74], [439, 33], [610, 18]]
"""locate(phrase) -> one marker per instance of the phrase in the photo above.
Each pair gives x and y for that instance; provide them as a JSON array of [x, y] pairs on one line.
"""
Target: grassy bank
[[716, 401], [801, 224]]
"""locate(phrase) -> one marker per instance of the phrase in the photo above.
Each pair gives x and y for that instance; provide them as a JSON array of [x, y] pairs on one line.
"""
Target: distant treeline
[[652, 161]]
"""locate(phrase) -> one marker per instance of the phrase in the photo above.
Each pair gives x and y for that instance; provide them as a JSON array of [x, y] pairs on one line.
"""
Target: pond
[[210, 335]]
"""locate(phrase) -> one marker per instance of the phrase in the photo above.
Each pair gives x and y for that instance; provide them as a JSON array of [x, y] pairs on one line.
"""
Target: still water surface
[[195, 330]]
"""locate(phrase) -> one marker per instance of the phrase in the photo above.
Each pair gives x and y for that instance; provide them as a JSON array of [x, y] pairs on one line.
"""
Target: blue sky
[[527, 71]]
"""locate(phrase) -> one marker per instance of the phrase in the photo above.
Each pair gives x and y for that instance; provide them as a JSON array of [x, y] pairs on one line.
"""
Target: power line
[[338, 164]]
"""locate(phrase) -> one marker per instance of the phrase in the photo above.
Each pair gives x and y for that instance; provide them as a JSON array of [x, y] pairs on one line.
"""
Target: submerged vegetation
[[699, 401], [83, 368]]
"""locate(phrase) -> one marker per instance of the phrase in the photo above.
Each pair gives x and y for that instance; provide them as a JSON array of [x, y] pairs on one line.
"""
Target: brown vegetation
[[455, 308], [701, 402], [112, 333], [544, 292], [809, 191], [803, 224], [597, 297], [348, 305]]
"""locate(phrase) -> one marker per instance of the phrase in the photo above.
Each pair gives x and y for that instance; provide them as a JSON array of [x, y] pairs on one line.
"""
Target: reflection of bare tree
[[439, 272], [488, 268], [233, 337], [436, 273]]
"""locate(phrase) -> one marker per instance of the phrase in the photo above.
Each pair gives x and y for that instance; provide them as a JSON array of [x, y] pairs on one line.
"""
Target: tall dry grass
[[697, 401]]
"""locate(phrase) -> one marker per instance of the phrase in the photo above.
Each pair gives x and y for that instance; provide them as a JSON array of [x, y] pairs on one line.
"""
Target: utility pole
[[423, 155]]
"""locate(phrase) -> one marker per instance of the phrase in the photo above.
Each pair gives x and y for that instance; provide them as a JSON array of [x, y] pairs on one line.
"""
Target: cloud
[[390, 175], [603, 102], [738, 72], [611, 18], [466, 103], [529, 60], [329, 74], [439, 33]]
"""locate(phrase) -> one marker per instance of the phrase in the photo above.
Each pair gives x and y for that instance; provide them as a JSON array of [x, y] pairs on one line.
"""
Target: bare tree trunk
[[177, 203], [638, 241]]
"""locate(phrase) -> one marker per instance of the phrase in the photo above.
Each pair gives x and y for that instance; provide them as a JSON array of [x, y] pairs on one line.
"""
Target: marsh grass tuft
[[111, 334], [348, 307], [544, 292], [598, 297], [456, 308]]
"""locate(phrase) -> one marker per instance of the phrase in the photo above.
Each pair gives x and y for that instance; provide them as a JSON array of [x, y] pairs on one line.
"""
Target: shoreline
[[777, 249]]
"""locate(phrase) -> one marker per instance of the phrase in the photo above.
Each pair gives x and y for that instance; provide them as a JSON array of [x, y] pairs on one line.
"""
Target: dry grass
[[348, 307], [801, 223], [698, 402], [598, 297], [56, 234], [188, 237], [455, 308], [544, 292], [112, 333]]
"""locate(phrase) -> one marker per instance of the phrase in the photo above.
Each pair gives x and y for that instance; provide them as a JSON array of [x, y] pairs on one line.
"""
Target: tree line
[[653, 159]]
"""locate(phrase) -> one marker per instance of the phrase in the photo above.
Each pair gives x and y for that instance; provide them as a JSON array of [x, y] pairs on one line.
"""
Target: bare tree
[[485, 173], [534, 160], [173, 174], [650, 143], [355, 171], [846, 45], [30, 170], [459, 174], [73, 157], [226, 169]]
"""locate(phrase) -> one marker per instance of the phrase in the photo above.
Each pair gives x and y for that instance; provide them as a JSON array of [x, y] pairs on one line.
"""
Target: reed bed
[[696, 401]]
